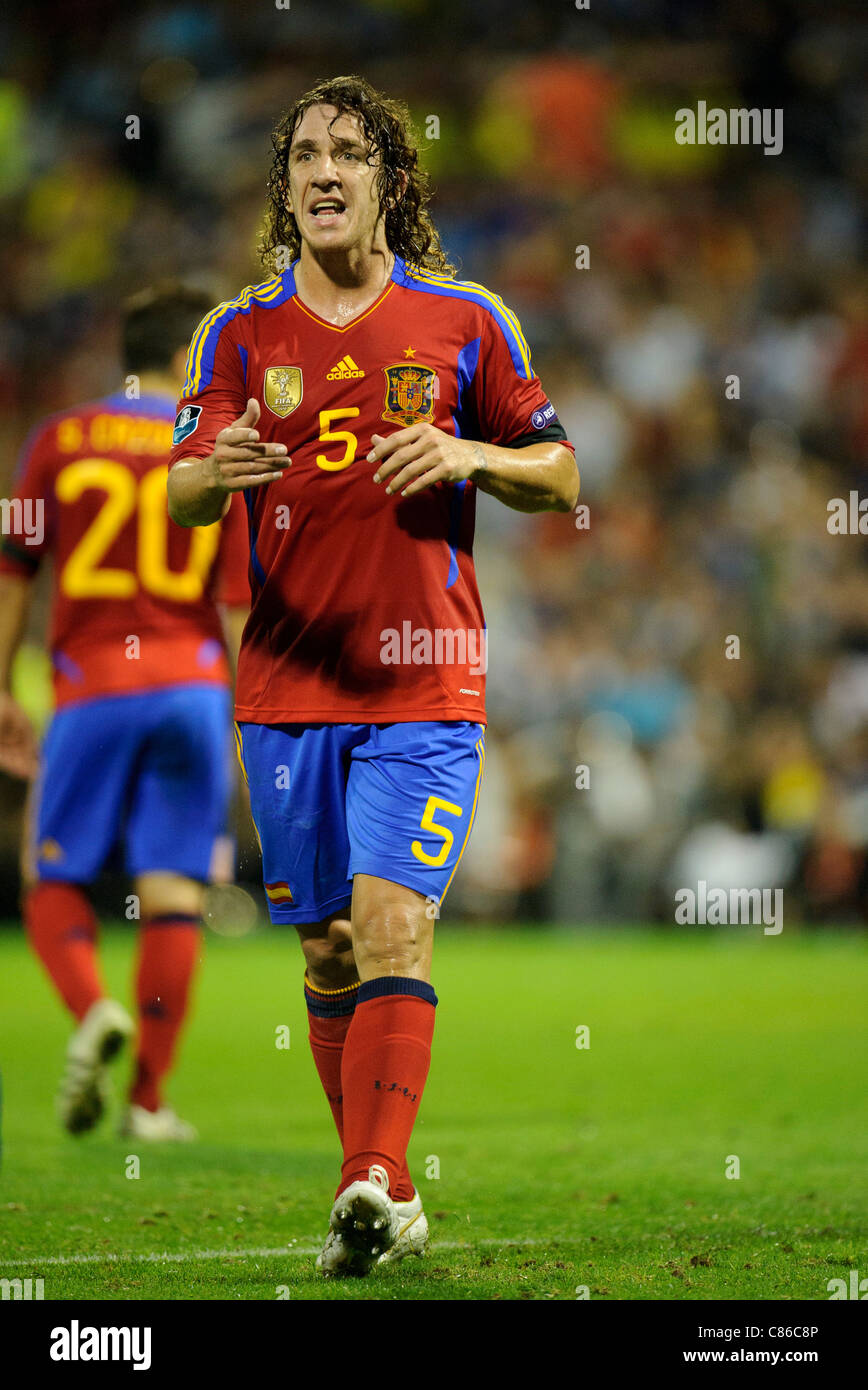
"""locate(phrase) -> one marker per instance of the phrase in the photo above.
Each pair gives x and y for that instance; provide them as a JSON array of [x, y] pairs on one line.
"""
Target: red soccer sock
[[62, 929], [385, 1064], [330, 1013], [169, 946]]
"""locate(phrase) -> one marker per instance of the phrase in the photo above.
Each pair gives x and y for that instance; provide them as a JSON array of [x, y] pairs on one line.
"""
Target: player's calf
[[170, 944], [331, 988], [327, 947], [62, 928]]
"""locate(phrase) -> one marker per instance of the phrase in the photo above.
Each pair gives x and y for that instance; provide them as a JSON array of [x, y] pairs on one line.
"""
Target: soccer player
[[359, 399], [137, 748]]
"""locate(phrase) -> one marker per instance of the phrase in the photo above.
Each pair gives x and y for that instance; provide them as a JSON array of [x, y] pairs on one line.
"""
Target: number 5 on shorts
[[428, 822]]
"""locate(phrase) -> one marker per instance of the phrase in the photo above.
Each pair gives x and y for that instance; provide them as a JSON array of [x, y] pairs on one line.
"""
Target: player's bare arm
[[18, 744], [200, 490], [539, 478]]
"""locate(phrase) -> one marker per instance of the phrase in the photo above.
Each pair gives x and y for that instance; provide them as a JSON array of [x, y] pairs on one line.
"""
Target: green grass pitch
[[559, 1167]]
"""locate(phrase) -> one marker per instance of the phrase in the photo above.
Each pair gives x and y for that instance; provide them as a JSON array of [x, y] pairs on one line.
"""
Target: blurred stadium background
[[707, 516]]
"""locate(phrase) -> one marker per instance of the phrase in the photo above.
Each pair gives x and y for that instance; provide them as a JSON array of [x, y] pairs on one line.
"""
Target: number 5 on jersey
[[435, 803], [327, 435]]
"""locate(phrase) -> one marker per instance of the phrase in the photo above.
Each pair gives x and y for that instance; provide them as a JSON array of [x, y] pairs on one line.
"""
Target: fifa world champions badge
[[282, 390], [409, 393]]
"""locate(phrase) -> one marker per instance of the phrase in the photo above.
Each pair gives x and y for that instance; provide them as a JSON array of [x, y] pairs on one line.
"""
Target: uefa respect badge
[[185, 423]]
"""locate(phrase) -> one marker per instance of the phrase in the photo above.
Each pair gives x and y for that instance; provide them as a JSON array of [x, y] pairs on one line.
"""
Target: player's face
[[333, 193]]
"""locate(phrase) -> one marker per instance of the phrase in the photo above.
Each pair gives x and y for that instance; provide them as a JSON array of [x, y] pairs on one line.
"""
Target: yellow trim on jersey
[[352, 323], [433, 278], [481, 747], [268, 290]]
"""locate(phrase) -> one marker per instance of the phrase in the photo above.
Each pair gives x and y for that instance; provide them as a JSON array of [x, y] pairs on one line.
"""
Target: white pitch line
[[175, 1257], [264, 1253]]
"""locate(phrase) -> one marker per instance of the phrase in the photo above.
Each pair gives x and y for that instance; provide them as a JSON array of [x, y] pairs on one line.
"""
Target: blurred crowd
[[678, 675]]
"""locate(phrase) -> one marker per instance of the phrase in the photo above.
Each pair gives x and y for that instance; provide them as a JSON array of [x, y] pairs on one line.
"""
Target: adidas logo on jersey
[[344, 369]]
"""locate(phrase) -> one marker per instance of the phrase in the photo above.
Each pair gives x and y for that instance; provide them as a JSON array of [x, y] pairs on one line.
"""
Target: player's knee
[[161, 894], [393, 936]]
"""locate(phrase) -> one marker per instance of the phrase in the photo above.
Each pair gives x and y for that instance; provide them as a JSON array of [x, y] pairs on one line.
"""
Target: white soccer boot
[[96, 1041], [412, 1237], [156, 1125], [364, 1224]]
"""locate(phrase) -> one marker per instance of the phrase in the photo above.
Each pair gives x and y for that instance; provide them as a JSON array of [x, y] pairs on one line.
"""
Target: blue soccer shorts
[[332, 800], [150, 771]]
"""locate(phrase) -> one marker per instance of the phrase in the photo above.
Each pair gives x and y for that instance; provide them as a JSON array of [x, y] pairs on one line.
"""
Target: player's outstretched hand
[[240, 460], [19, 750]]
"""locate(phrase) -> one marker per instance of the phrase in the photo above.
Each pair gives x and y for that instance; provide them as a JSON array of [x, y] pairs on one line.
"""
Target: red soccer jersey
[[364, 606], [134, 594]]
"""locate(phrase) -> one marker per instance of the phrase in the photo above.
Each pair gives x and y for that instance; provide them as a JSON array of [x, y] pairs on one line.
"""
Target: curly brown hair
[[387, 127]]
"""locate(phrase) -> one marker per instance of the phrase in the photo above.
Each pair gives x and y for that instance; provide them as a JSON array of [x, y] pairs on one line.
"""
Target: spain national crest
[[409, 393], [283, 390]]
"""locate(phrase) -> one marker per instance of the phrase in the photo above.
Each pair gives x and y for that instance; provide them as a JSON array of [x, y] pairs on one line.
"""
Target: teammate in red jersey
[[359, 399], [135, 750]]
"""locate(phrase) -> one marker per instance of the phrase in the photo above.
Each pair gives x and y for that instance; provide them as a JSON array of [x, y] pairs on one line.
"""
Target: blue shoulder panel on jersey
[[203, 347], [431, 282], [242, 353], [468, 359], [456, 507]]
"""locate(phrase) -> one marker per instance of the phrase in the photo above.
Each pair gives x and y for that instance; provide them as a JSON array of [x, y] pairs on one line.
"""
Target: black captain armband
[[548, 434]]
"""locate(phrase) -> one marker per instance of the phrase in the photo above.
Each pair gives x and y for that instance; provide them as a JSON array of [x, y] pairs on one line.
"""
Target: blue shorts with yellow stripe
[[332, 800], [150, 771]]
